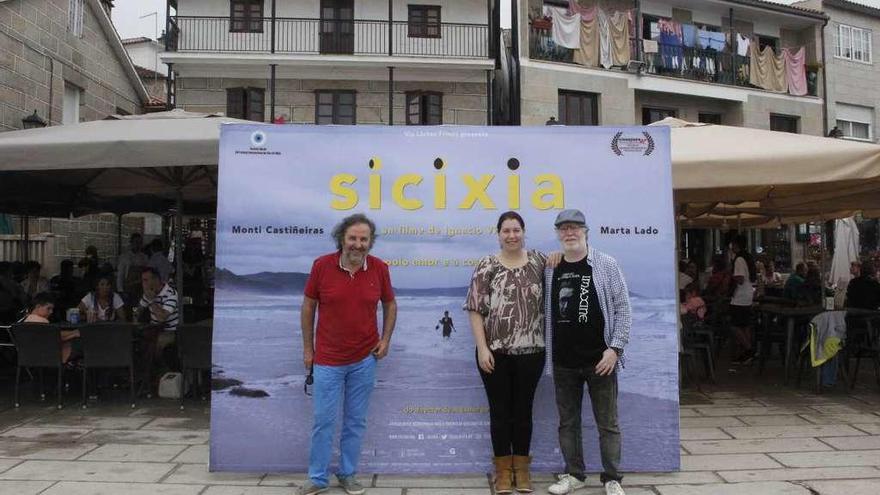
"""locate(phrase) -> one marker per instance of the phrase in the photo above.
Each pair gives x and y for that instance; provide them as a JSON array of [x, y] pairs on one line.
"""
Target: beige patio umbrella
[[716, 163]]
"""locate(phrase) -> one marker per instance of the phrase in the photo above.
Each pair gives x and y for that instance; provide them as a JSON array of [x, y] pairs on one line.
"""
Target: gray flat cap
[[570, 216]]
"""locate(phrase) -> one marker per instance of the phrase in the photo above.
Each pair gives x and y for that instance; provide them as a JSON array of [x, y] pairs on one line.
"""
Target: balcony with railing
[[324, 36], [693, 63]]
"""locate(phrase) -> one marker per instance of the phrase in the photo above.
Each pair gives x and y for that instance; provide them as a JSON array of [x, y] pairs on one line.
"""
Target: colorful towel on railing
[[766, 69], [588, 53], [566, 30], [795, 70]]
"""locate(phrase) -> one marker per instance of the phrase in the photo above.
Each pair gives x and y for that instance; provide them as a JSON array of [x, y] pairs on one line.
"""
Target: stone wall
[[72, 236], [38, 54]]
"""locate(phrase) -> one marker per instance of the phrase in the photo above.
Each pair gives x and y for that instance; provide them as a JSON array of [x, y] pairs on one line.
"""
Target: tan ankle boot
[[504, 474], [522, 479]]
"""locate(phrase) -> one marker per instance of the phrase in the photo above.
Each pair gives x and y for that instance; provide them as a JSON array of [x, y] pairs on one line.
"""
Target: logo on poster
[[258, 139], [643, 144]]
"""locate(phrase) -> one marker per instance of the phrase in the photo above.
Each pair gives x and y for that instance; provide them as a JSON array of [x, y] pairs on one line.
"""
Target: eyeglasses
[[570, 228], [310, 379]]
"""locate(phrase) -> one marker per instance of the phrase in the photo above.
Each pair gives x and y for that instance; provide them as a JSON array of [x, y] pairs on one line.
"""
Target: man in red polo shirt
[[346, 286]]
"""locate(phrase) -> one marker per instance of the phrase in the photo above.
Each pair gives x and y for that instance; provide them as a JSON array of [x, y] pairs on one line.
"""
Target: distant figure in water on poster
[[448, 326]]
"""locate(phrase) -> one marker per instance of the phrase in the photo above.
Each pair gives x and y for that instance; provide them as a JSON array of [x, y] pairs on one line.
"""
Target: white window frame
[[847, 130], [75, 16], [848, 40]]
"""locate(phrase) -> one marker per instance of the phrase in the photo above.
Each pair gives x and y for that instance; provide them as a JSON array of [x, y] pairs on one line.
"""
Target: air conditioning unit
[[635, 66]]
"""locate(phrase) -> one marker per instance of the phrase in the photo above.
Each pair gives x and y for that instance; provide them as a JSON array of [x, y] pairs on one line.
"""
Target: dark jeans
[[511, 392], [569, 399]]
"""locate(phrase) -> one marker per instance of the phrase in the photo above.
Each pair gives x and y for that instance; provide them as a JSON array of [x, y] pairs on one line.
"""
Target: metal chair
[[863, 342], [194, 348], [38, 346], [107, 345]]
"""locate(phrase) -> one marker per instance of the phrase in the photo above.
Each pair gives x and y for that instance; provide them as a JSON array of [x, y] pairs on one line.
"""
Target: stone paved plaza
[[744, 435]]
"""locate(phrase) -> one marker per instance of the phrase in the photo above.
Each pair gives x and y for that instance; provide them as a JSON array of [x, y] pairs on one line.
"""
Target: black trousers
[[511, 392]]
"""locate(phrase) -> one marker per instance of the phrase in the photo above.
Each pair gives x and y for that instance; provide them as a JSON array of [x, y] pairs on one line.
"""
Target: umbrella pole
[[118, 235], [25, 237], [178, 256]]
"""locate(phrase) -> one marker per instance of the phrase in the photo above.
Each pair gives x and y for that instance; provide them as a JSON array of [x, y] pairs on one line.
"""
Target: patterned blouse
[[511, 302]]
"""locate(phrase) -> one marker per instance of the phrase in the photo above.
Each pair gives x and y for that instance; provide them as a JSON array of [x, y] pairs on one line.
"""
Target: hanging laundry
[[671, 26], [671, 51], [587, 14], [766, 69], [605, 59], [742, 45], [588, 53], [689, 35], [620, 42], [566, 28], [711, 40], [795, 71], [655, 31]]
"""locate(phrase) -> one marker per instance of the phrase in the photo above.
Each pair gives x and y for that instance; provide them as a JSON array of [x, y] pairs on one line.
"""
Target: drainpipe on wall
[[824, 84], [168, 35], [515, 113], [391, 96], [390, 27], [637, 5], [272, 71]]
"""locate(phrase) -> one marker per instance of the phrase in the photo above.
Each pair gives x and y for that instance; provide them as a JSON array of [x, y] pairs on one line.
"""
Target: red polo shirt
[[347, 304]]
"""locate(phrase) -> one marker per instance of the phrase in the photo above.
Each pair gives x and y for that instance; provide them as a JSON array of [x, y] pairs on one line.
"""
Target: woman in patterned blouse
[[505, 304]]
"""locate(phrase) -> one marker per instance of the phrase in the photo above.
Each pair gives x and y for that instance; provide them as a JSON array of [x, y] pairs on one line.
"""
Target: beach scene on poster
[[435, 194]]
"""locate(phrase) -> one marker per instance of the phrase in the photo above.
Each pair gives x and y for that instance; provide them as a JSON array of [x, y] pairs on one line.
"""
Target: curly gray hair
[[358, 218]]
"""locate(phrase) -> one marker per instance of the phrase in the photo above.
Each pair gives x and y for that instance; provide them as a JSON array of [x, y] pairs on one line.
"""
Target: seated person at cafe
[[64, 287], [863, 291], [33, 283], [772, 278], [102, 303], [718, 285], [684, 278], [693, 308], [810, 293], [795, 280], [42, 306], [160, 299]]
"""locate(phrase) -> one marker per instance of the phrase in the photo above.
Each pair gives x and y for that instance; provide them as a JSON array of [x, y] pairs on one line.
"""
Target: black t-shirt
[[863, 292], [578, 323]]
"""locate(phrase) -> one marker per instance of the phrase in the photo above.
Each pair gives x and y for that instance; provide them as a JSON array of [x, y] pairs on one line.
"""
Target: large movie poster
[[435, 194]]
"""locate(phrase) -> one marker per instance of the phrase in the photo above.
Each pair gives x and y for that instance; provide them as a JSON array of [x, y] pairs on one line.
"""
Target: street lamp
[[33, 121]]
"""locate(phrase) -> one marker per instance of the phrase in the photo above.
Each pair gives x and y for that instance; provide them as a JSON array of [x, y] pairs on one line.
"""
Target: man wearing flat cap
[[589, 321]]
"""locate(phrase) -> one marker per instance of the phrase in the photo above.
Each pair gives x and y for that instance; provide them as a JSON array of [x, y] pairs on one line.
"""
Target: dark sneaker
[[310, 489], [351, 485]]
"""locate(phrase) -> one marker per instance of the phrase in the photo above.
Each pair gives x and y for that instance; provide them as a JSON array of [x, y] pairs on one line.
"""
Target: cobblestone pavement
[[744, 435]]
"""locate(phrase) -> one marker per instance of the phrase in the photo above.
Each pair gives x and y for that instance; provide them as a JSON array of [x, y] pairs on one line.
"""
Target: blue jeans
[[353, 383], [829, 372]]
